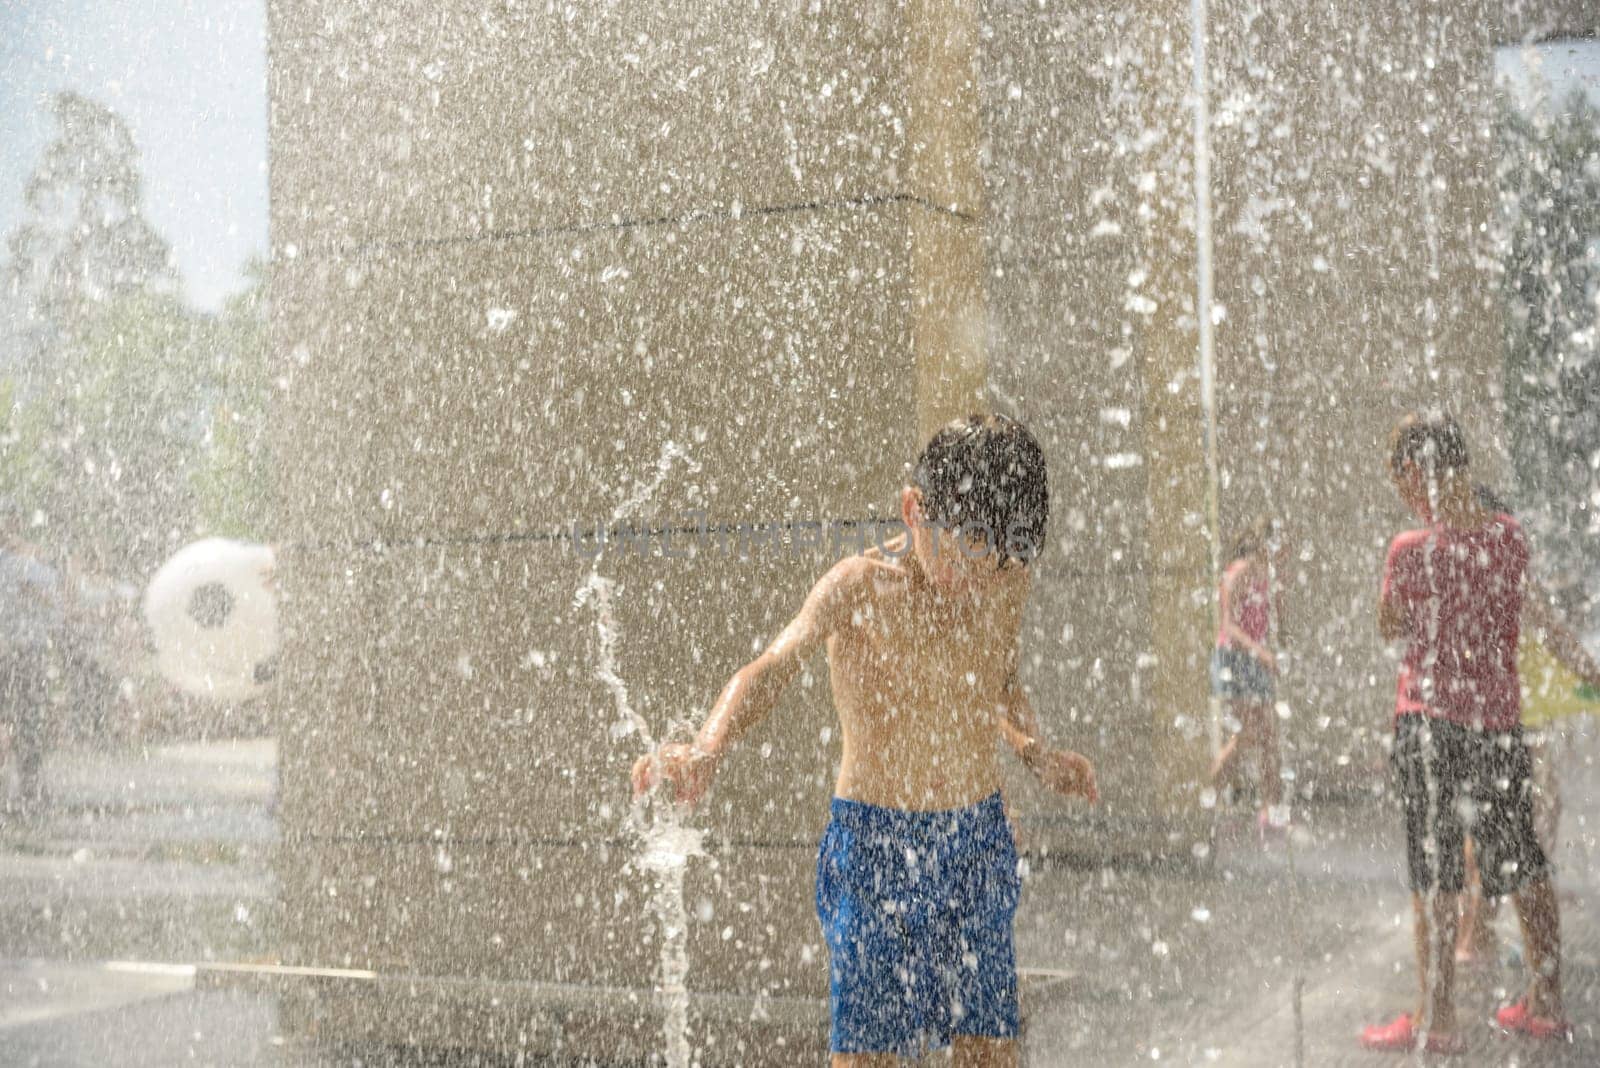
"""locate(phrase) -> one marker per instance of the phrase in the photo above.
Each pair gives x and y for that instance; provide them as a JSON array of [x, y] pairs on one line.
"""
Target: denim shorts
[[1238, 676]]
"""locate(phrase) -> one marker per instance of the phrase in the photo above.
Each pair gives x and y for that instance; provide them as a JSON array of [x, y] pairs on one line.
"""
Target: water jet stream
[[666, 844]]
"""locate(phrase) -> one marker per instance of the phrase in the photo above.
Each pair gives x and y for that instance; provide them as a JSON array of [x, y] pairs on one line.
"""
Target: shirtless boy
[[917, 879]]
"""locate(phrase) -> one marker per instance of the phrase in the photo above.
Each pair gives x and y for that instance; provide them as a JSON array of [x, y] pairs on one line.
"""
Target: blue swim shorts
[[917, 910]]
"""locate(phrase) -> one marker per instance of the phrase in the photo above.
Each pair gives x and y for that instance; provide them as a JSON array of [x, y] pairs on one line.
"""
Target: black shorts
[[1455, 781]]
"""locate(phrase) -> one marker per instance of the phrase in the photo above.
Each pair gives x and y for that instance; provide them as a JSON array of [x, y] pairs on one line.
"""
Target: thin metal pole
[[1198, 19]]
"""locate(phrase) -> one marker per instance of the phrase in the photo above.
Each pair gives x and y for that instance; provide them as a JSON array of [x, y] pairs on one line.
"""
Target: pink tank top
[[1248, 606]]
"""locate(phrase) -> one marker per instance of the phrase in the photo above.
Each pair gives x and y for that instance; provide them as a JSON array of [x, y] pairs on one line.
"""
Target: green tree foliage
[[1550, 201], [126, 431], [84, 241], [132, 421], [24, 461], [231, 484]]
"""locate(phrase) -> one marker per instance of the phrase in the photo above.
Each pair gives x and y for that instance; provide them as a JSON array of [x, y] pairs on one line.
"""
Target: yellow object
[[1549, 689]]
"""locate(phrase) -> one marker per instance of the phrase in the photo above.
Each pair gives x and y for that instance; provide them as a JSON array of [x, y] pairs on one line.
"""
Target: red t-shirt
[[1461, 593]]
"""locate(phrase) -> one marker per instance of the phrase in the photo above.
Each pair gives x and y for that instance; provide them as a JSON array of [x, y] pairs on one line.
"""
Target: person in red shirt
[[1454, 592]]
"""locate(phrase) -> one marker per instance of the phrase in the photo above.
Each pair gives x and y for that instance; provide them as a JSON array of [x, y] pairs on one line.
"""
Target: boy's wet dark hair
[[985, 475], [1252, 539], [1431, 440]]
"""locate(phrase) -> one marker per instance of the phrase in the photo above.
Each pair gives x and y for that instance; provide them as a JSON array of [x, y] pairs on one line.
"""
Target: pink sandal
[[1515, 1018], [1400, 1036]]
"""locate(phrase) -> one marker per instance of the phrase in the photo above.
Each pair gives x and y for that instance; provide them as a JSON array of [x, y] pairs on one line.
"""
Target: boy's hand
[[1069, 774], [687, 767]]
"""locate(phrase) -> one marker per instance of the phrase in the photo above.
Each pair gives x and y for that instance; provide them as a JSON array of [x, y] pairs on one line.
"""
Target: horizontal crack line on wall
[[699, 215], [618, 534]]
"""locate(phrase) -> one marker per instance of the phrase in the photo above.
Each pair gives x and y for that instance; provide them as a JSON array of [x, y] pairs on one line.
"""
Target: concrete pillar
[[1091, 280], [532, 265], [946, 246], [1177, 559]]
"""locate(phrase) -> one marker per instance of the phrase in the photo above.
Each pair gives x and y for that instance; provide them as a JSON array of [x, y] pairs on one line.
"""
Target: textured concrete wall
[[519, 251]]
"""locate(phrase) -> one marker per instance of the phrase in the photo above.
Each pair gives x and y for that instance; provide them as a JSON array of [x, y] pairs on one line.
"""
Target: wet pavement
[[155, 861]]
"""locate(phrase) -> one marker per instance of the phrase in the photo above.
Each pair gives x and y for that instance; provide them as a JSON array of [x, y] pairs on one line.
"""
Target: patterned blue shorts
[[917, 910]]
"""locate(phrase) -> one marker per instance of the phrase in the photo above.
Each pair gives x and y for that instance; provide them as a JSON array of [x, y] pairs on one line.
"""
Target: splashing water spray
[[1199, 19], [1437, 950], [666, 844]]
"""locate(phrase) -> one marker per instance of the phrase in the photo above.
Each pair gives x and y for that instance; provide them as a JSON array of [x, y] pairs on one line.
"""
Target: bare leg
[[1541, 934], [1436, 961], [1271, 762], [1542, 751], [971, 1051], [1251, 724], [1476, 936], [1225, 769]]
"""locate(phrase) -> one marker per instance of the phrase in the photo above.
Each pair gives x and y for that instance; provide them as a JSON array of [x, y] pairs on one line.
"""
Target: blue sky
[[189, 78]]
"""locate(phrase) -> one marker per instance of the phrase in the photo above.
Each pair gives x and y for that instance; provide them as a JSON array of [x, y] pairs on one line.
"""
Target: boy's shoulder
[[1512, 546], [850, 581], [1403, 564], [859, 570], [1503, 530]]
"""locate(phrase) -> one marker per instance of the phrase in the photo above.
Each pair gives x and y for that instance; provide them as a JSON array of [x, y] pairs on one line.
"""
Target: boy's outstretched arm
[[754, 689], [1538, 609], [1063, 771]]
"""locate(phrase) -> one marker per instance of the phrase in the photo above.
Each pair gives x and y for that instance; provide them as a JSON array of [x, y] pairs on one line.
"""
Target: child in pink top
[[1243, 668]]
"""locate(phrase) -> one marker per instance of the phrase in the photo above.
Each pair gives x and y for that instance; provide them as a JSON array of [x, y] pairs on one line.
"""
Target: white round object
[[214, 618]]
